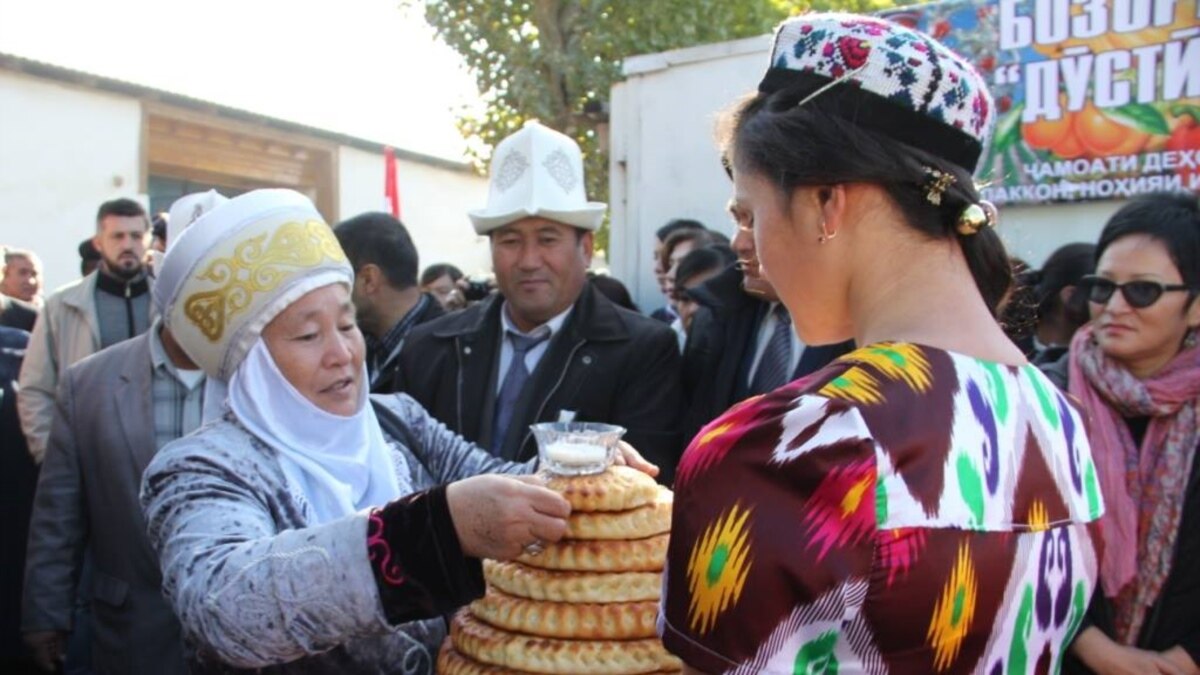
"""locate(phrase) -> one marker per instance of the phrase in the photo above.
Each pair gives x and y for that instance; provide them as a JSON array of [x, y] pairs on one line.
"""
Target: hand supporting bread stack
[[585, 605]]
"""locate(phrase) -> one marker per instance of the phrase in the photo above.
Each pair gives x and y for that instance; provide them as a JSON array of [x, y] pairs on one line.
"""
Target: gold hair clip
[[936, 184], [830, 85], [976, 217]]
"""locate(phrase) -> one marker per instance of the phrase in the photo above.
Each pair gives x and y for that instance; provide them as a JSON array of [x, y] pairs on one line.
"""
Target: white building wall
[[665, 164], [433, 202], [63, 151]]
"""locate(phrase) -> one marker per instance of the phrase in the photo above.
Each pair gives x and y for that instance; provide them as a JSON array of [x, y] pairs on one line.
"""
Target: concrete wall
[[664, 162], [63, 151], [433, 202]]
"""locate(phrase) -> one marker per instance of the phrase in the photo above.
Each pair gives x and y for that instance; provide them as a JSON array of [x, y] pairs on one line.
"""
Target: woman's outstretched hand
[[497, 517]]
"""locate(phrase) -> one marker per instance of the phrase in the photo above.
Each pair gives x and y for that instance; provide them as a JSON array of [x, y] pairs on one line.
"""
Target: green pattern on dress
[[1095, 507], [1018, 651], [1078, 607], [970, 484], [881, 503], [816, 656], [999, 390], [1045, 400]]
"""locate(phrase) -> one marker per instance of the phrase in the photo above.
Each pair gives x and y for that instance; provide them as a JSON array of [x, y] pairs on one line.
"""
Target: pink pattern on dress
[[379, 551]]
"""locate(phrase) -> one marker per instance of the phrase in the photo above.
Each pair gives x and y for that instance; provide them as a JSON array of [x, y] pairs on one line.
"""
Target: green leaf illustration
[[1008, 131], [1141, 117]]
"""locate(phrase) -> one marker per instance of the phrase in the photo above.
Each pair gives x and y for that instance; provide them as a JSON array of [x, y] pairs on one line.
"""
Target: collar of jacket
[[595, 319], [132, 287], [80, 294], [724, 293]]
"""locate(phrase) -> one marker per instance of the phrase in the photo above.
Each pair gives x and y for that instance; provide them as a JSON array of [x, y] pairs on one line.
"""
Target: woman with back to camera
[[1136, 368], [924, 504], [314, 529]]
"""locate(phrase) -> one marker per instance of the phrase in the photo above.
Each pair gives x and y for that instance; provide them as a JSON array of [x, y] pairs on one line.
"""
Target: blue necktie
[[775, 365], [514, 382]]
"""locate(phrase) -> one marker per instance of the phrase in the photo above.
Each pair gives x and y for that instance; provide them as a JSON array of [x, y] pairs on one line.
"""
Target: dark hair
[[89, 257], [614, 290], [439, 270], [158, 225], [676, 225], [1065, 267], [700, 239], [1172, 218], [379, 239], [819, 144], [126, 208], [710, 259]]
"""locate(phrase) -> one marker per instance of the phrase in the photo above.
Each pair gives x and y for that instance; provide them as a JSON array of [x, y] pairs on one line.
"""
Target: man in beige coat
[[107, 306]]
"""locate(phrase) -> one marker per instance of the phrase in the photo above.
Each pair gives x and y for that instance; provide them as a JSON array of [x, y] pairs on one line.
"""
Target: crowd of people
[[249, 440]]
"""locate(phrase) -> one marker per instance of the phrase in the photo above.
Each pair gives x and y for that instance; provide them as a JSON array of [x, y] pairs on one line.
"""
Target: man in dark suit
[[388, 303], [548, 344], [742, 341]]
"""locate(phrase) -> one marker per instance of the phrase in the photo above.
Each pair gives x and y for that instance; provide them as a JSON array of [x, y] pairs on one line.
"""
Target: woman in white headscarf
[[312, 529]]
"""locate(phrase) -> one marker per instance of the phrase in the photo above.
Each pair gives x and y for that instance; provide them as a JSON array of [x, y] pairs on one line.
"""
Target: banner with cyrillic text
[[1096, 99]]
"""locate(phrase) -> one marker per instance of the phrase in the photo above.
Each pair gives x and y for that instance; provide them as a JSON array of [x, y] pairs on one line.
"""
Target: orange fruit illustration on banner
[[1043, 134], [1068, 147], [1103, 136]]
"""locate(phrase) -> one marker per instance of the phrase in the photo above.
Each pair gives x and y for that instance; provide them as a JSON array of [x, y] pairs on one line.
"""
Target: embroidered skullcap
[[239, 266], [890, 79]]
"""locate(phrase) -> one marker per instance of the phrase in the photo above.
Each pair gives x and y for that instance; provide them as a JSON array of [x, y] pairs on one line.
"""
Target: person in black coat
[[724, 350], [17, 314], [388, 303], [20, 476], [547, 345]]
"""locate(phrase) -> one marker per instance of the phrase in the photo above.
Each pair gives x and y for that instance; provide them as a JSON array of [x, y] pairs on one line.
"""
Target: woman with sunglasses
[[925, 503], [1136, 369]]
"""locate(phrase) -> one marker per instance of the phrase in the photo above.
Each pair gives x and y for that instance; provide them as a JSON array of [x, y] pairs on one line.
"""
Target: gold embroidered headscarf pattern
[[257, 265]]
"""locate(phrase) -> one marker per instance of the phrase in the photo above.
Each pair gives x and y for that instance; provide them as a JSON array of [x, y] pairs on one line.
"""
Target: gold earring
[[825, 236]]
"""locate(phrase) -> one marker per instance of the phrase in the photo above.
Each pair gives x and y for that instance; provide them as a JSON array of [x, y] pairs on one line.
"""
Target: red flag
[[391, 189]]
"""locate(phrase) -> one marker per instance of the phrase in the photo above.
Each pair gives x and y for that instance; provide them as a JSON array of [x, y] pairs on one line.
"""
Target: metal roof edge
[[50, 71], [648, 63]]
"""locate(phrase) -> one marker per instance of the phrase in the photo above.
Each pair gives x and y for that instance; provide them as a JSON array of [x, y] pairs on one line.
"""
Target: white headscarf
[[337, 465]]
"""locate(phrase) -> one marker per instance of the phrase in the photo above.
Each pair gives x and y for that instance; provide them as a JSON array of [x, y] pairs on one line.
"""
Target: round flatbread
[[482, 643], [620, 488], [572, 621], [553, 586], [644, 521], [637, 555], [450, 662]]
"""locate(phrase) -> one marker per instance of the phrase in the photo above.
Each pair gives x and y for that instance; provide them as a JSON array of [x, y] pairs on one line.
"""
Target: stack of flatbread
[[586, 605]]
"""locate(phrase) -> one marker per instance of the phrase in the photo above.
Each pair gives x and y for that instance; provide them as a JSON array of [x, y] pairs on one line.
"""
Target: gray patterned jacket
[[254, 586]]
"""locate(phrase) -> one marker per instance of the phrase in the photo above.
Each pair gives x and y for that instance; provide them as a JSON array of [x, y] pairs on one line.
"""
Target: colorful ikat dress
[[904, 510]]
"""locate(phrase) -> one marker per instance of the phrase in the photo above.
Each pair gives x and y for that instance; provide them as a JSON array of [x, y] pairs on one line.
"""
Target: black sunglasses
[[1139, 294]]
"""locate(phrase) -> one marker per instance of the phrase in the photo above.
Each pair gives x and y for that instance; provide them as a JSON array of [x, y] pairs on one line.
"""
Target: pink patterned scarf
[[1143, 487]]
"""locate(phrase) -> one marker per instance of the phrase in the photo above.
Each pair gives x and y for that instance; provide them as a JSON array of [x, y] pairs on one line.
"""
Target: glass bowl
[[576, 448]]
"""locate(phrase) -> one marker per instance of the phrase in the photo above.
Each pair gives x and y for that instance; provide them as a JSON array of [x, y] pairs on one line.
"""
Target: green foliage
[[556, 60]]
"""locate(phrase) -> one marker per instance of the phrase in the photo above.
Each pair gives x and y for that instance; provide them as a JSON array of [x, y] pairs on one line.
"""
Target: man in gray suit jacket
[[115, 410]]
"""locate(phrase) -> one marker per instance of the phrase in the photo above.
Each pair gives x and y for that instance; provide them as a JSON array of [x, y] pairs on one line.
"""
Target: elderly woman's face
[[1147, 338], [317, 346]]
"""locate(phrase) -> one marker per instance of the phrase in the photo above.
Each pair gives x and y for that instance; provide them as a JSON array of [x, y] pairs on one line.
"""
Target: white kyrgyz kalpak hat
[[184, 211], [188, 209], [537, 172], [237, 267]]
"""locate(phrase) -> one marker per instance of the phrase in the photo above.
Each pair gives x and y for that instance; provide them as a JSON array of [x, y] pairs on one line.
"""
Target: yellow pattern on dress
[[1039, 520], [954, 611], [894, 361], [258, 265], [718, 568]]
